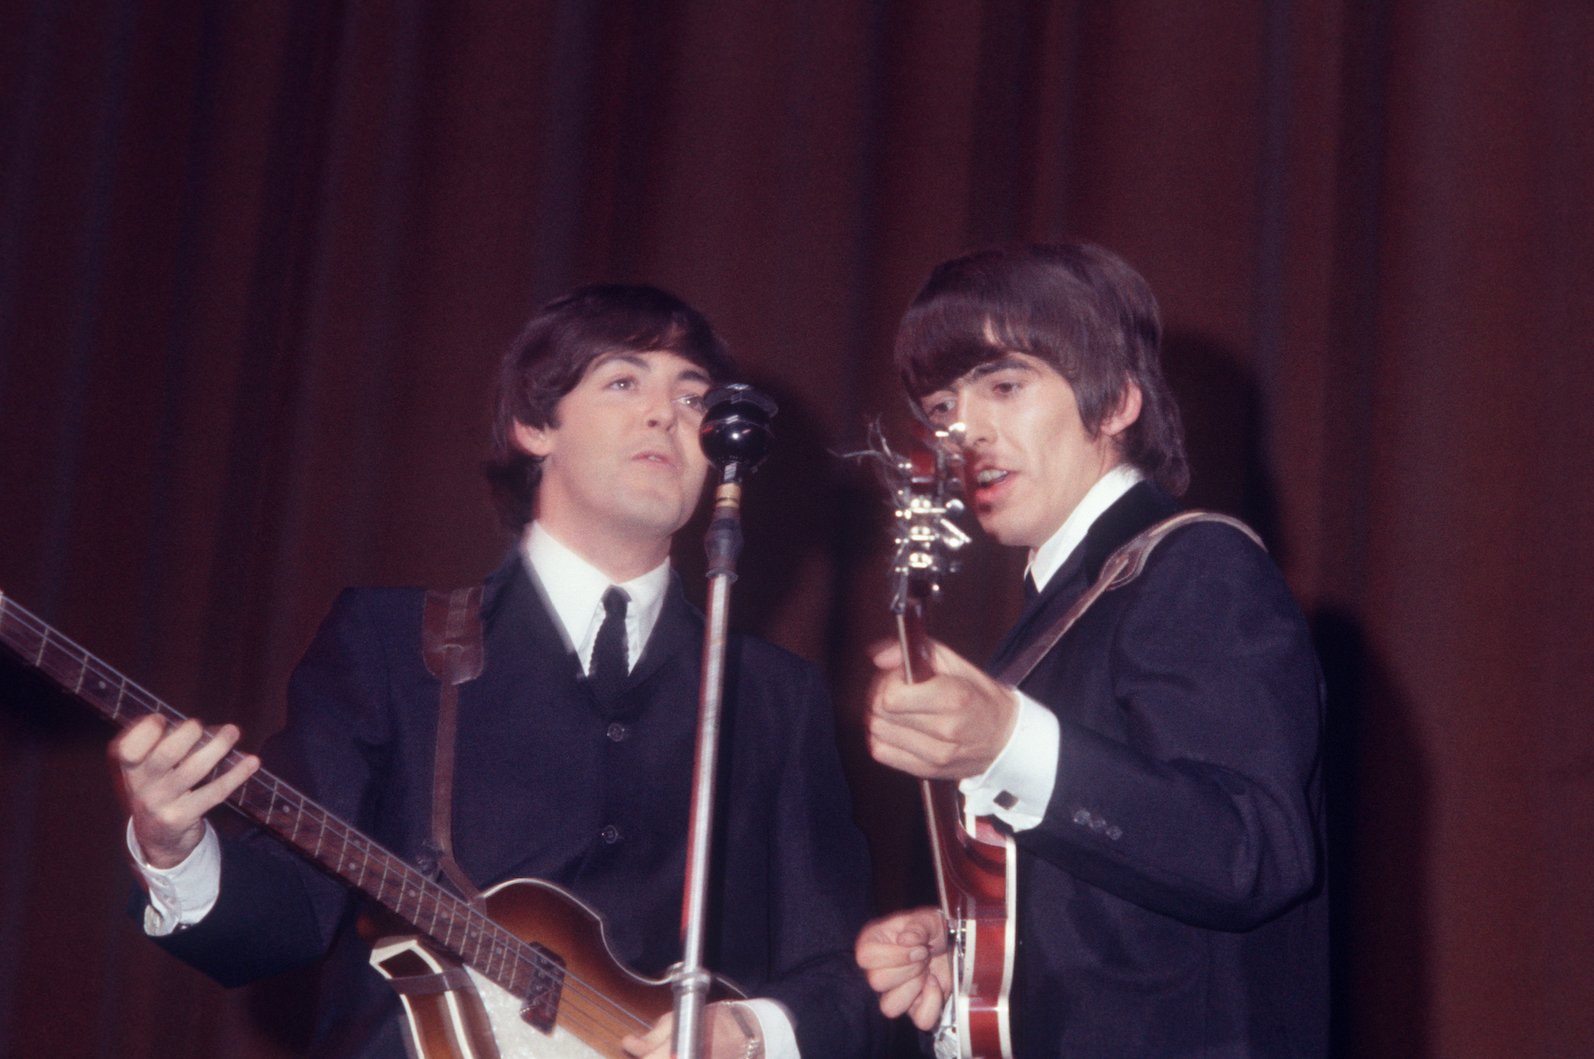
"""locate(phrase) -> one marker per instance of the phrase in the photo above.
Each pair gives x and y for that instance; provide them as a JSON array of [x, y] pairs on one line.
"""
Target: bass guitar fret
[[434, 906], [498, 957], [121, 693], [97, 691], [488, 956], [58, 660], [453, 935], [493, 959]]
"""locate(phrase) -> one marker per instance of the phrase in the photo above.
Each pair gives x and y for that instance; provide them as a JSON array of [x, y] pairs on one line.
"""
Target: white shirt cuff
[[1018, 785], [774, 1022], [182, 895]]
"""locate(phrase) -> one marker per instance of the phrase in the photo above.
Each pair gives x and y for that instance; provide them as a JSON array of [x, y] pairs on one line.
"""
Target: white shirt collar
[[1049, 557], [574, 589]]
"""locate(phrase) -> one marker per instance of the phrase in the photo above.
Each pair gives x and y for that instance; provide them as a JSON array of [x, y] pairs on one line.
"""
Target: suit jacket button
[[610, 834], [617, 732]]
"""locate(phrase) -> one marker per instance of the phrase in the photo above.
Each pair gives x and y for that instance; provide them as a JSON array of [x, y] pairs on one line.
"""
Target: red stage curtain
[[257, 261]]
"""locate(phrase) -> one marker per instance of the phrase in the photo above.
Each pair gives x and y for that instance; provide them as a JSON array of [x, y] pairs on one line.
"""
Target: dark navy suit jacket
[[1171, 901], [549, 786]]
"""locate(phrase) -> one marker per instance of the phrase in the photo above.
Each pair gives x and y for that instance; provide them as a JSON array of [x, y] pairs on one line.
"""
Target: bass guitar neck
[[525, 974]]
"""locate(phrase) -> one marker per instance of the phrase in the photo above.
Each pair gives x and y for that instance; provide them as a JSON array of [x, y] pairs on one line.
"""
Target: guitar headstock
[[926, 486]]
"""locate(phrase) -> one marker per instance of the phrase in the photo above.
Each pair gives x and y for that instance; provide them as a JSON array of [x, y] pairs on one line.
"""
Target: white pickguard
[[519, 1040]]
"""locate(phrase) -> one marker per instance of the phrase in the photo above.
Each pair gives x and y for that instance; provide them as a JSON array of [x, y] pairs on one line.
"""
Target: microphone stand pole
[[735, 436]]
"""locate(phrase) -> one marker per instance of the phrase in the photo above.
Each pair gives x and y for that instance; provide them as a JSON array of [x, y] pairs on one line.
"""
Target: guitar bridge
[[540, 1006]]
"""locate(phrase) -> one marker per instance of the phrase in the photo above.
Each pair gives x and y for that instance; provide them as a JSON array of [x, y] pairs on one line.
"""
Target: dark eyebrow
[[640, 363], [991, 367], [623, 356]]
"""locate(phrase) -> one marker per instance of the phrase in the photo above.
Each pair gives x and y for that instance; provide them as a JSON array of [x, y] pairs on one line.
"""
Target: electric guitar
[[527, 973], [975, 864]]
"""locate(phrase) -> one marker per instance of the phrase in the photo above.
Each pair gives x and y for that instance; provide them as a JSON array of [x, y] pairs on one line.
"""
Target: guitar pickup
[[540, 1006]]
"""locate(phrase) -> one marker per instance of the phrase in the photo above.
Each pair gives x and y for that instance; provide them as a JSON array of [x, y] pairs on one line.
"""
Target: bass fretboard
[[339, 848]]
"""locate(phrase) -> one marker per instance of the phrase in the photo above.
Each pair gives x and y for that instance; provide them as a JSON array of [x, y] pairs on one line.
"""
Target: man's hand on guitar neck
[[949, 726], [161, 771], [904, 956]]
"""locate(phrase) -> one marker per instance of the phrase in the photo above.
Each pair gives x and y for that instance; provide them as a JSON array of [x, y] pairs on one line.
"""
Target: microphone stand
[[735, 436]]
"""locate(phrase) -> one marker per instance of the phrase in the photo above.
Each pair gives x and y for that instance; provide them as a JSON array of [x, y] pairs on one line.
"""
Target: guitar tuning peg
[[952, 535]]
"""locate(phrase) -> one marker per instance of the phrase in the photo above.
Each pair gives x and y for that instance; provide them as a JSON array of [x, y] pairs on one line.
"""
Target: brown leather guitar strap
[[451, 643], [1121, 567]]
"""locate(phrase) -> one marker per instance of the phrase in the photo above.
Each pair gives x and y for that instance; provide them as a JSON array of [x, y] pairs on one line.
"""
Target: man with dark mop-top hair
[[1158, 768], [574, 746]]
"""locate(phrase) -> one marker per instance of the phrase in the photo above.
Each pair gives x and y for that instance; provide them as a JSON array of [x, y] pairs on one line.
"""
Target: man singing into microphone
[[575, 745], [1158, 766]]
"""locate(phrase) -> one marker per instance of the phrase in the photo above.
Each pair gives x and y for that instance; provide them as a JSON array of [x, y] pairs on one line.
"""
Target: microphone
[[735, 437], [735, 431]]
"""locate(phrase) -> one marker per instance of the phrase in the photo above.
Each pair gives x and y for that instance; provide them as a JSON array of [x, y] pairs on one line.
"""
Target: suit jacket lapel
[[1063, 588], [522, 638], [1142, 506]]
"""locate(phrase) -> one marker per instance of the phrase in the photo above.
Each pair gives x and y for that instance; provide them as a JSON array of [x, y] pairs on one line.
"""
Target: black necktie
[[609, 665], [1030, 591]]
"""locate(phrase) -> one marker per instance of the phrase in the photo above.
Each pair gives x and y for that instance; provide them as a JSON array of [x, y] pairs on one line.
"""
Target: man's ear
[[533, 441], [1128, 410]]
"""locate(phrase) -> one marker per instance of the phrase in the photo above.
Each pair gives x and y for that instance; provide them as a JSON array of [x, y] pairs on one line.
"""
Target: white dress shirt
[[573, 589]]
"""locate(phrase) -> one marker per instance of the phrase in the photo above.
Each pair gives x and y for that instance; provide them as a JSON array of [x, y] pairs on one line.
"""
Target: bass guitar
[[527, 974], [975, 864]]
